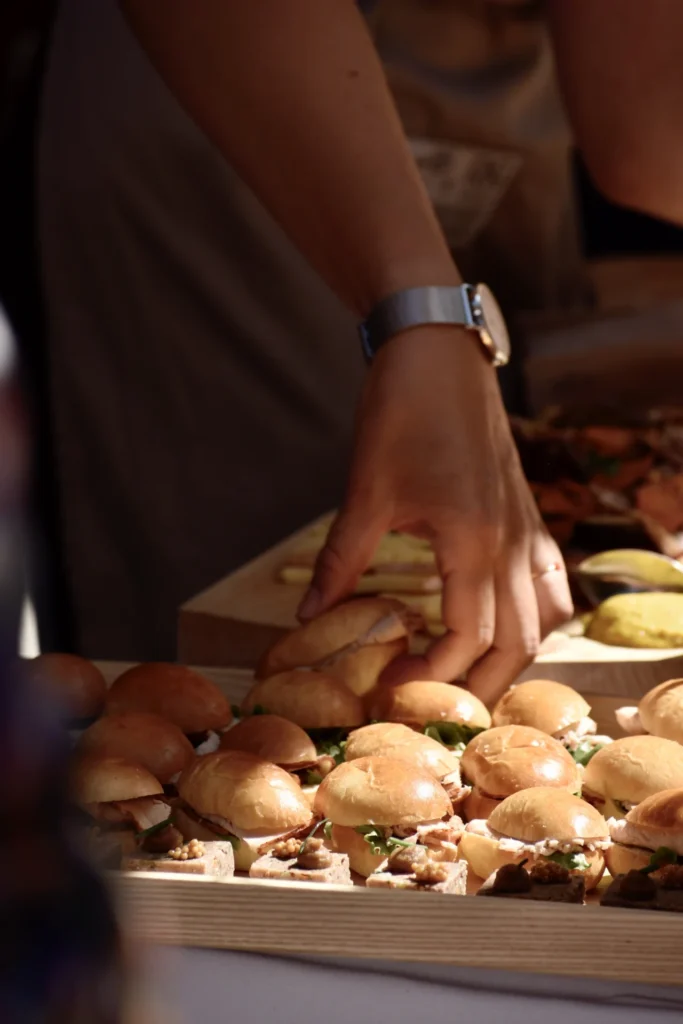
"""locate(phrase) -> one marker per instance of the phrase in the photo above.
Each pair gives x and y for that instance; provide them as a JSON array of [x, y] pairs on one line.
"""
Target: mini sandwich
[[377, 805], [537, 825], [391, 739], [154, 742], [241, 799], [650, 836], [414, 867], [509, 758], [353, 642], [629, 771], [444, 712], [284, 743], [315, 701], [76, 684], [177, 693], [292, 860], [555, 709], [660, 713], [545, 881], [215, 859], [127, 805]]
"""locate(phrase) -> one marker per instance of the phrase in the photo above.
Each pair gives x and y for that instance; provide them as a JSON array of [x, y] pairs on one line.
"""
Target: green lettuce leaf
[[228, 837], [312, 778], [153, 829], [331, 742], [570, 861], [452, 734], [585, 751], [327, 828], [663, 855], [379, 843]]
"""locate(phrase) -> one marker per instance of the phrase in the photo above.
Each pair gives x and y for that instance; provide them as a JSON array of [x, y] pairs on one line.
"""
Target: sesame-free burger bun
[[542, 704], [416, 703], [631, 769], [176, 692], [661, 710], [361, 858], [381, 791], [76, 683], [622, 859], [97, 780], [154, 742], [509, 758], [272, 738], [251, 794], [314, 700], [391, 739]]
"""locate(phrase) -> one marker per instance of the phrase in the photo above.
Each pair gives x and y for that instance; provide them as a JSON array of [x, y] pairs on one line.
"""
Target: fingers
[[553, 595], [517, 634], [349, 548]]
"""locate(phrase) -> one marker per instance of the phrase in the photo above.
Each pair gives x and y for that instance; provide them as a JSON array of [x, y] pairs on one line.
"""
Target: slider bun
[[314, 700], [621, 859], [661, 813], [381, 791], [154, 742], [417, 703], [509, 758], [391, 739], [542, 704], [484, 856], [176, 692], [547, 813], [361, 858], [252, 794], [272, 738], [77, 684], [479, 805], [96, 780], [633, 768], [661, 710]]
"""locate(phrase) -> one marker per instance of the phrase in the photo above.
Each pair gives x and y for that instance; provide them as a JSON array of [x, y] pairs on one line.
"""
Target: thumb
[[349, 548]]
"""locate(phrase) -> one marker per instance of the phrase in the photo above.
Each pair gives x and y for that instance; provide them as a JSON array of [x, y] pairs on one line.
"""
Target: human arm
[[620, 70]]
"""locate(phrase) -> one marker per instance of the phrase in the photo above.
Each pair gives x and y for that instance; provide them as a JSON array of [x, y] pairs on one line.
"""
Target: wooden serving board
[[297, 918], [236, 620]]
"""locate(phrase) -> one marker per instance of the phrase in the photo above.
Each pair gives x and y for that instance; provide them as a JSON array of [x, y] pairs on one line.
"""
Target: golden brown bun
[[417, 703], [391, 739], [96, 780], [335, 629], [76, 683], [661, 710], [547, 813], [314, 700], [508, 758], [175, 692], [381, 791], [622, 859], [478, 805], [633, 768], [252, 794], [484, 856], [661, 813], [154, 742], [542, 704], [361, 858], [273, 738]]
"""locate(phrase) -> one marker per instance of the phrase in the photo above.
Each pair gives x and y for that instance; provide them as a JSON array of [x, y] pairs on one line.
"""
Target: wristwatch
[[471, 306]]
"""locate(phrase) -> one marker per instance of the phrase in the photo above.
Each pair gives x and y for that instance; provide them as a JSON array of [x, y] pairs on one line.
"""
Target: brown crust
[[392, 739], [542, 704], [662, 813], [97, 780], [419, 702], [634, 768], [176, 692], [77, 683], [661, 710], [272, 738], [154, 742], [313, 700], [506, 759], [545, 813]]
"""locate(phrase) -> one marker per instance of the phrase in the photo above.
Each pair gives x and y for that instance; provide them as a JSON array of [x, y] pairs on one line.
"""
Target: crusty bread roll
[[154, 742], [416, 703], [314, 700], [392, 739], [661, 710], [249, 793], [542, 704], [631, 769], [77, 684], [97, 780], [622, 859], [273, 738], [381, 791], [176, 692]]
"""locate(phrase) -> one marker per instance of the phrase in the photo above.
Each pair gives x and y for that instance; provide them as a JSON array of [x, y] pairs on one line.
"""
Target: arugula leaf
[[663, 855], [233, 840], [236, 710], [312, 778], [452, 734], [570, 861], [585, 751], [330, 741], [324, 824], [327, 829], [153, 829], [379, 843]]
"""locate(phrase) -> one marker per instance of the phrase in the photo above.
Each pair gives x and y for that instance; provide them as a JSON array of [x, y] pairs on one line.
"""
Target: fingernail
[[311, 604]]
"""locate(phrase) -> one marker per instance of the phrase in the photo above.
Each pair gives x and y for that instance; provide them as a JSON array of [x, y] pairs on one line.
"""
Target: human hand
[[434, 456]]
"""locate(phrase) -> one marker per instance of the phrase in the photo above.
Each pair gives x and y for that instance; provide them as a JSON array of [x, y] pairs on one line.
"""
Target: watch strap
[[414, 307]]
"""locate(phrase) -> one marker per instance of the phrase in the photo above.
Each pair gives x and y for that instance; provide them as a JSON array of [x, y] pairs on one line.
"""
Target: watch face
[[492, 325]]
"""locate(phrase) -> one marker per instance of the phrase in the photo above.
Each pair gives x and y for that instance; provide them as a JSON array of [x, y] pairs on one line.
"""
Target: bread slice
[[571, 891], [662, 899], [455, 883], [338, 873], [218, 862]]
